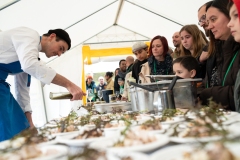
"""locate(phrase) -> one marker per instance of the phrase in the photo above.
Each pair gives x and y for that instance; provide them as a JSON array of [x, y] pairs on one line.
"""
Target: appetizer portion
[[218, 152]]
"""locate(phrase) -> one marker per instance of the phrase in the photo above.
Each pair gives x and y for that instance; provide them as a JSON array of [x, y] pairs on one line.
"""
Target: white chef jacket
[[23, 44]]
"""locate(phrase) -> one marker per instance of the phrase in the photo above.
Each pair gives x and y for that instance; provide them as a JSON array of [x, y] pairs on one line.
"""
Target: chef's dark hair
[[61, 35], [188, 62], [109, 74]]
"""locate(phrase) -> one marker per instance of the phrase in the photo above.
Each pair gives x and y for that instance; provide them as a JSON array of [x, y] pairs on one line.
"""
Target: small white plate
[[68, 139], [171, 153], [16, 143], [194, 140], [233, 132], [52, 152], [173, 121], [133, 155], [107, 144], [63, 133], [176, 152], [138, 128], [48, 152]]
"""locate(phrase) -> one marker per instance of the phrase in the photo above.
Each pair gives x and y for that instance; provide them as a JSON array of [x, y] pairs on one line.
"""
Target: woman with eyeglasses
[[234, 26], [223, 62], [193, 42], [159, 61]]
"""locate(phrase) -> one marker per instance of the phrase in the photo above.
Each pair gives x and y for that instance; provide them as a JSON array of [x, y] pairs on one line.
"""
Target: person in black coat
[[121, 74]]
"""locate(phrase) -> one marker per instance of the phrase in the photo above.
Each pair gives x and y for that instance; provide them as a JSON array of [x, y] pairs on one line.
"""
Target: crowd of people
[[215, 59], [212, 56]]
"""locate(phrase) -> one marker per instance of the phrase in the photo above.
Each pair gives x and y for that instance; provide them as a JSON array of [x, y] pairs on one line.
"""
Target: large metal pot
[[141, 99], [150, 99], [184, 93]]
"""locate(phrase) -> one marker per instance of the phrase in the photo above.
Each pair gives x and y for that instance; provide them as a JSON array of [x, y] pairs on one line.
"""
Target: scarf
[[160, 67], [129, 69], [136, 69], [122, 74]]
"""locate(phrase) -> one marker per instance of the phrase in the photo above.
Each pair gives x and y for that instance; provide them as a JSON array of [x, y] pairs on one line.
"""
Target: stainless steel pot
[[184, 93], [141, 99], [149, 99], [163, 99]]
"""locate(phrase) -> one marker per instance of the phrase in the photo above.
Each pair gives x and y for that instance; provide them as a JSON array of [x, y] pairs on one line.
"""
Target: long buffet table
[[158, 144]]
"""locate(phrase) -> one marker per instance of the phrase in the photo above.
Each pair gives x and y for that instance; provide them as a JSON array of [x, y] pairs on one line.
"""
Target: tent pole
[[118, 11], [9, 4], [91, 14], [115, 42]]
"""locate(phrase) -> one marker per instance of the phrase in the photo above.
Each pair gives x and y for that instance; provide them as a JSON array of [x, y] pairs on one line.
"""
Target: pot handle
[[172, 84], [141, 86]]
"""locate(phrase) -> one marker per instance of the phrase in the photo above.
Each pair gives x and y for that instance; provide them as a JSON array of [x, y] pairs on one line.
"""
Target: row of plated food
[[208, 132]]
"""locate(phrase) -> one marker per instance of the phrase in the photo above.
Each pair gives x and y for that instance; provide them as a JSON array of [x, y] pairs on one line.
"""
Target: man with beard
[[176, 42], [202, 17], [203, 23]]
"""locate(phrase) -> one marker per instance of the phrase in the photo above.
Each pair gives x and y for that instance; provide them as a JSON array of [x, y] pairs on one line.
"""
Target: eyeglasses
[[202, 20]]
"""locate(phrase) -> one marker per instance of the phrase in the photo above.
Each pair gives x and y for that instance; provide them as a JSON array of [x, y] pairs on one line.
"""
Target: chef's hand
[[76, 92], [70, 86], [29, 118]]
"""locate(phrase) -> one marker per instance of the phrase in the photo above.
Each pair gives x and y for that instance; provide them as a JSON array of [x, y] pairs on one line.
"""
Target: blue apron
[[12, 117]]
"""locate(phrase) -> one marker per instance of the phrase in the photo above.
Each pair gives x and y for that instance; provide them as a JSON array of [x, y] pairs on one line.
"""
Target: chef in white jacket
[[19, 55]]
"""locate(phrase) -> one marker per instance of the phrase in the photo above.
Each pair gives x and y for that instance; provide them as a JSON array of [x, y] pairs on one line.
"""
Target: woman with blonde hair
[[192, 41], [192, 44]]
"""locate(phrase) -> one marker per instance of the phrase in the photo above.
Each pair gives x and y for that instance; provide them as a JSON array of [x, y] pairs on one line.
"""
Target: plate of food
[[141, 141], [80, 139], [114, 128], [216, 151], [204, 132], [35, 152], [99, 154], [13, 143], [152, 126], [126, 156], [170, 120]]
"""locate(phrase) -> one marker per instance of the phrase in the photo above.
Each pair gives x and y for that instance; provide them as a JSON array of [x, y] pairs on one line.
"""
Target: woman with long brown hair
[[193, 42]]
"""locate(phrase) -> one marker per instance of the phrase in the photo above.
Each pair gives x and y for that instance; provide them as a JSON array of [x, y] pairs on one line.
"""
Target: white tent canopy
[[99, 24]]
